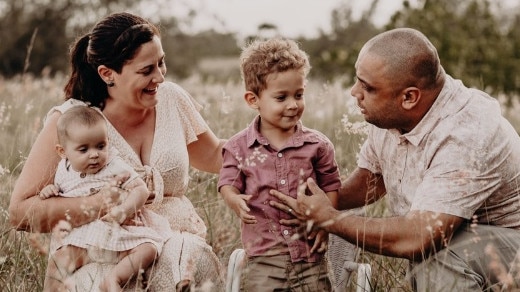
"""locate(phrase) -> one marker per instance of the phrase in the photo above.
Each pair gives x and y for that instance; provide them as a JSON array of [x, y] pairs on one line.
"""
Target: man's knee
[[477, 257]]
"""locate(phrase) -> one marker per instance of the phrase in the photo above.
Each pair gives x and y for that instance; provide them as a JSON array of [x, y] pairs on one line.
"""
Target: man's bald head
[[411, 58]]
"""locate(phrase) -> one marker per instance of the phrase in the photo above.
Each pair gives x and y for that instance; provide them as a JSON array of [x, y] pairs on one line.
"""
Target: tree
[[333, 55], [511, 62], [481, 52], [36, 34]]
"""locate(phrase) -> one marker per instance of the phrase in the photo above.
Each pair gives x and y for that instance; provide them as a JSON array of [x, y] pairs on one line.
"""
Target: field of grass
[[25, 101]]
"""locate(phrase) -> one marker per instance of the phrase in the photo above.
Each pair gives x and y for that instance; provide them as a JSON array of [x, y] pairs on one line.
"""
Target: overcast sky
[[292, 17]]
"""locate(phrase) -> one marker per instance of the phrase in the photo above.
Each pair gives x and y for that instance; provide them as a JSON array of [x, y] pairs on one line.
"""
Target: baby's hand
[[112, 193], [49, 191], [116, 214], [239, 205], [321, 242]]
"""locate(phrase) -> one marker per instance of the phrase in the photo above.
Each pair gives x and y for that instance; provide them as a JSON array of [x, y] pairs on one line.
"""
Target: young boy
[[87, 166], [277, 152]]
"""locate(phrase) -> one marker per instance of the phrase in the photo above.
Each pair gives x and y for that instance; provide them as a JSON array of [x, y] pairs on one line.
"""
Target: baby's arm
[[136, 195], [238, 203], [49, 191]]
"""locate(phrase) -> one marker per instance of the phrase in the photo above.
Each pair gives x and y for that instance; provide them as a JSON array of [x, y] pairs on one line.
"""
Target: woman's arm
[[206, 152], [26, 210]]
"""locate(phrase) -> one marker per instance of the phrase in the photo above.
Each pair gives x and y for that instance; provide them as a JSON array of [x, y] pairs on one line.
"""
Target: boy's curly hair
[[263, 57]]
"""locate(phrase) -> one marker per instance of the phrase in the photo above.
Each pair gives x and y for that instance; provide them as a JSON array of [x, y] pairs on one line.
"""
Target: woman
[[119, 67]]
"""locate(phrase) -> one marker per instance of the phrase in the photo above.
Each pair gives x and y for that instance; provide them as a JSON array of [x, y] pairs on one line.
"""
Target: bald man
[[447, 163]]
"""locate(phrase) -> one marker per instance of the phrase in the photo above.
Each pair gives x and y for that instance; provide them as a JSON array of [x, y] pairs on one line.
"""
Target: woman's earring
[[110, 84]]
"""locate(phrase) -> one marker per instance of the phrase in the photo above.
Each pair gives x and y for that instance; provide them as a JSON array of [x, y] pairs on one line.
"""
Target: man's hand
[[321, 242], [315, 208]]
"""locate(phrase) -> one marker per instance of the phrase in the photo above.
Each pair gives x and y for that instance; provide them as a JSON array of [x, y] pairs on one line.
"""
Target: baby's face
[[86, 147]]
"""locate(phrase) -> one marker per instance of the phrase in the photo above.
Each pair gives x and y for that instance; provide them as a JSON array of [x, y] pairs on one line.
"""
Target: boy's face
[[281, 104], [86, 147]]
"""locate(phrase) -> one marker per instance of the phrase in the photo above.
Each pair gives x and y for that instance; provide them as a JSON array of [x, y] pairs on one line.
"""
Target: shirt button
[[286, 232], [82, 175], [282, 182], [280, 155]]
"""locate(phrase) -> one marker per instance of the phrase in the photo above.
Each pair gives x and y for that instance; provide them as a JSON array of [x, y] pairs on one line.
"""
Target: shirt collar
[[299, 137], [450, 100]]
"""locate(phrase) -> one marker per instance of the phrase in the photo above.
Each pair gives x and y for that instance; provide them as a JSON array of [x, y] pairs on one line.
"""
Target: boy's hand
[[49, 191], [239, 204], [321, 242]]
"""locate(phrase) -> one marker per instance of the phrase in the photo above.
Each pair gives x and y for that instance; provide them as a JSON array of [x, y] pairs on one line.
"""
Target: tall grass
[[25, 100], [23, 104]]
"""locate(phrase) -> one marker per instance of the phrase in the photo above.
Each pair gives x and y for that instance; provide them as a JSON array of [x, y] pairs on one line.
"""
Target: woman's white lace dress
[[185, 255]]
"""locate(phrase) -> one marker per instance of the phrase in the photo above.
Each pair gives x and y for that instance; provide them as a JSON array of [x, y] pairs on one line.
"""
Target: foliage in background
[[477, 41], [478, 46], [43, 31], [24, 101], [333, 55]]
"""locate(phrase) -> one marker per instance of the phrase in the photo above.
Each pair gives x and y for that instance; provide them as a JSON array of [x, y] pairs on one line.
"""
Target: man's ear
[[105, 73], [60, 151], [251, 99], [410, 97]]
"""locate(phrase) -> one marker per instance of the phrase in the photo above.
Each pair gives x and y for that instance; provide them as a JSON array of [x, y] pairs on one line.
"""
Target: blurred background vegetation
[[478, 41]]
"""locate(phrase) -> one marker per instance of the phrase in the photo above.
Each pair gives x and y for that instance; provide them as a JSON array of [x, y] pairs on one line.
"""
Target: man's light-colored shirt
[[254, 168], [462, 159]]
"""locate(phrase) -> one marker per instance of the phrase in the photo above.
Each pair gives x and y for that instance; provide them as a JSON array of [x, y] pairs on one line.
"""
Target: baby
[[87, 166]]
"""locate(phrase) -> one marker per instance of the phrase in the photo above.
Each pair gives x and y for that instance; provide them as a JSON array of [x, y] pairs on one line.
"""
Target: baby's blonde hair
[[261, 58], [79, 114]]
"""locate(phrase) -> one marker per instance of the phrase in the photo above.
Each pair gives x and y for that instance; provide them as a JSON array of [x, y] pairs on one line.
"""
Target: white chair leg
[[234, 270], [364, 272], [339, 253]]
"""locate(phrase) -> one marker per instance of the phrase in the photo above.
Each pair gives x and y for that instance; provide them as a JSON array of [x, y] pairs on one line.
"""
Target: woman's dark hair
[[112, 42]]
